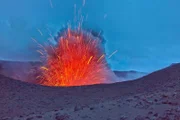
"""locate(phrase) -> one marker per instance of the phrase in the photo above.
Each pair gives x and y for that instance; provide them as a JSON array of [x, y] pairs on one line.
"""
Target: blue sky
[[145, 33]]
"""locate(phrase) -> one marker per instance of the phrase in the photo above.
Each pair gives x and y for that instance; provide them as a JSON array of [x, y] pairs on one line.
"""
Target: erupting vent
[[77, 59]]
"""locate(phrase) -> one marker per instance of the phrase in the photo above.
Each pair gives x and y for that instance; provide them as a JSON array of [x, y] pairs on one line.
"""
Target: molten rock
[[77, 59]]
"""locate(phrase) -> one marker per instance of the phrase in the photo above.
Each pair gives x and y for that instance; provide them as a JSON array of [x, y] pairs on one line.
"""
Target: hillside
[[153, 97]]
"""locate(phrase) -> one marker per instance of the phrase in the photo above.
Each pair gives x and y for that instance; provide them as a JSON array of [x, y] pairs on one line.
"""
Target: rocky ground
[[153, 97]]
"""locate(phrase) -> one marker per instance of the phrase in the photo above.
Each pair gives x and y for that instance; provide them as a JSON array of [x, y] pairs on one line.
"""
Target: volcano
[[155, 96]]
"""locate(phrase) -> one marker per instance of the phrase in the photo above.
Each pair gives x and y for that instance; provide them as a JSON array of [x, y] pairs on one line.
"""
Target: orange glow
[[78, 59]]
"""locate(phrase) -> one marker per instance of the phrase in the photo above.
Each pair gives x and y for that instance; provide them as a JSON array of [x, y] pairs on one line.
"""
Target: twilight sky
[[146, 33]]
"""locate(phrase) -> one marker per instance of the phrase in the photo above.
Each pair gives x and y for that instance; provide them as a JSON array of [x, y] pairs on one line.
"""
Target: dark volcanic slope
[[23, 99]]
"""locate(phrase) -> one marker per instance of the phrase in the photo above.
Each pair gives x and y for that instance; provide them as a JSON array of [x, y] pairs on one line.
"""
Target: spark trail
[[77, 59]]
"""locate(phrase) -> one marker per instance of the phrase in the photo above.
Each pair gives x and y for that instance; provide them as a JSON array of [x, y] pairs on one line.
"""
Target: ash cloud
[[24, 71]]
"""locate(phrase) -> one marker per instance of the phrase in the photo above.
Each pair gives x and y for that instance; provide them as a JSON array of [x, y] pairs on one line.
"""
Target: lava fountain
[[77, 59]]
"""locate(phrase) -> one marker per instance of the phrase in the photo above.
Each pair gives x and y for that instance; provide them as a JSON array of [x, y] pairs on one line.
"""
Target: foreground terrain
[[153, 97]]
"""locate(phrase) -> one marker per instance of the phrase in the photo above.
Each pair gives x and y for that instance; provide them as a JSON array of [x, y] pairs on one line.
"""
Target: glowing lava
[[77, 59]]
